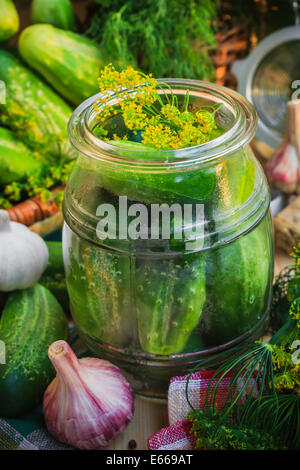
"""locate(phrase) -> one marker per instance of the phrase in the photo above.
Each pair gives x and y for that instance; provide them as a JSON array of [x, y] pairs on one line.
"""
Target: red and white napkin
[[178, 435]]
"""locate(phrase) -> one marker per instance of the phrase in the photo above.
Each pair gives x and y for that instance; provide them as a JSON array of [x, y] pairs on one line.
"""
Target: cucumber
[[71, 63], [37, 114], [53, 278], [31, 320], [17, 161], [236, 178], [58, 13], [170, 294], [100, 293], [56, 262], [9, 20], [196, 185], [237, 280]]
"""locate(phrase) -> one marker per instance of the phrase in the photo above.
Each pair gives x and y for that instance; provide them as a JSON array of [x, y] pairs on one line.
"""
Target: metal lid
[[268, 78]]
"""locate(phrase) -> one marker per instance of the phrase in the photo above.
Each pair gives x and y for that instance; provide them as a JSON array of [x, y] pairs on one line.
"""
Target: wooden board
[[148, 418], [151, 417]]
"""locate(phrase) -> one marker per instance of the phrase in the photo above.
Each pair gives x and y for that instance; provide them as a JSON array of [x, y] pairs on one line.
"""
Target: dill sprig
[[150, 109], [149, 36], [264, 387], [216, 431], [293, 289], [37, 184]]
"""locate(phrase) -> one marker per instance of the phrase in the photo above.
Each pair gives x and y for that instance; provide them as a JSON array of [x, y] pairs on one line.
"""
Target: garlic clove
[[4, 221], [283, 169], [23, 255], [89, 402]]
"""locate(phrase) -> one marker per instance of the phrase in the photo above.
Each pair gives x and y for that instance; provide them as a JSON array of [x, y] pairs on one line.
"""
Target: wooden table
[[151, 417]]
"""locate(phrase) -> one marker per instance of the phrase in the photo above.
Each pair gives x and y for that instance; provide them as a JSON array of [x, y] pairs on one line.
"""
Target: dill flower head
[[170, 112], [286, 373], [205, 122], [150, 108], [295, 311], [161, 137], [134, 117], [190, 135], [109, 79]]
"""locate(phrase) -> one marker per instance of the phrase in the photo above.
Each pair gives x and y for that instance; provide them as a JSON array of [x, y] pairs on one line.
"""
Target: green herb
[[150, 108], [215, 431], [36, 185], [279, 415], [273, 400], [148, 35]]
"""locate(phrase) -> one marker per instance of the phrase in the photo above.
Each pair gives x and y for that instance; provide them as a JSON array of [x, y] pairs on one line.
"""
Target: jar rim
[[237, 136]]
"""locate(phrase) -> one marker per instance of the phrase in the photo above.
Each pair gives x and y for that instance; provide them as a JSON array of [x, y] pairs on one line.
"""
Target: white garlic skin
[[88, 403], [23, 255]]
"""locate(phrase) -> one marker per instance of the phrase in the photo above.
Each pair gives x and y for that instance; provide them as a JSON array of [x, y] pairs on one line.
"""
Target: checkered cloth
[[177, 436], [28, 433]]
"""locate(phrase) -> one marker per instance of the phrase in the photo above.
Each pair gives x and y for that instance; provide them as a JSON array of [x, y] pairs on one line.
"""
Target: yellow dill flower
[[109, 78], [122, 84], [287, 382], [133, 115], [186, 118], [190, 135], [170, 112], [295, 311], [161, 137], [156, 114], [130, 78], [280, 357], [286, 373], [176, 118], [205, 121]]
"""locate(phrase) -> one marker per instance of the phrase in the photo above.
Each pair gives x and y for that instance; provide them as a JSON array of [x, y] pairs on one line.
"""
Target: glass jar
[[168, 254]]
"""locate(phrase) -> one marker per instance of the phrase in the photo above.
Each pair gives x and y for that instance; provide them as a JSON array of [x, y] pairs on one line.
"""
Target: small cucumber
[[16, 160], [9, 20], [70, 62], [54, 277], [59, 13], [31, 320], [36, 114]]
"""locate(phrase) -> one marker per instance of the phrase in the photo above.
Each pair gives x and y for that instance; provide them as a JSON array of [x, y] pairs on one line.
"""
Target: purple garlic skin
[[283, 169], [89, 402]]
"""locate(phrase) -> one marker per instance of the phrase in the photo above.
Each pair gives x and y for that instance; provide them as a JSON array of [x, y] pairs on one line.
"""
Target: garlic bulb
[[89, 402], [283, 169], [23, 255]]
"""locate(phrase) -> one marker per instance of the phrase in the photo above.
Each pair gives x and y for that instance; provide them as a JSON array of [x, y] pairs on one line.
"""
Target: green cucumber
[[170, 294], [196, 185], [99, 288], [53, 278], [34, 111], [31, 320], [56, 262], [237, 280], [236, 178], [9, 20], [17, 161], [70, 62], [58, 13]]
